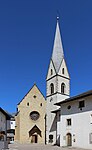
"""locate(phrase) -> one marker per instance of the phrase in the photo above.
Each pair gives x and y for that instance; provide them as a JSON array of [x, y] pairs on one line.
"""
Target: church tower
[[58, 86]]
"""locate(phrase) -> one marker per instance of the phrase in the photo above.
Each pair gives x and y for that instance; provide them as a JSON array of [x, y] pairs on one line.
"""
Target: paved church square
[[38, 147]]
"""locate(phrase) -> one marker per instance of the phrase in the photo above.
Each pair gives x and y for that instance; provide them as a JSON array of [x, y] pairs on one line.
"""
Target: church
[[60, 119], [30, 117]]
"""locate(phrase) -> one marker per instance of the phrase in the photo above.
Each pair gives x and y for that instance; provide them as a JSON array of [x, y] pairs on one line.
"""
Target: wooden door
[[34, 138], [69, 139]]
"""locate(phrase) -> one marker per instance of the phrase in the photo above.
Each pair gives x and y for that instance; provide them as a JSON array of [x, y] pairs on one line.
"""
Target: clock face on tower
[[34, 115]]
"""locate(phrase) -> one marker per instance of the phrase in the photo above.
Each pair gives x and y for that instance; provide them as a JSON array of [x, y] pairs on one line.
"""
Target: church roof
[[57, 55], [28, 93]]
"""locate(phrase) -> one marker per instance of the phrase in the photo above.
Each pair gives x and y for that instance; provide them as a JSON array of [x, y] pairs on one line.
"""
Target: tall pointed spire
[[57, 54]]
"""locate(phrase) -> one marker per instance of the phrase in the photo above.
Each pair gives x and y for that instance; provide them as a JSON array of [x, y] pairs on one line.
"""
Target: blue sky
[[27, 29]]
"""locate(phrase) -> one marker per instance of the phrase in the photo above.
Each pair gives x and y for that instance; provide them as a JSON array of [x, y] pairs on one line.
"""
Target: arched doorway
[[34, 134], [69, 139]]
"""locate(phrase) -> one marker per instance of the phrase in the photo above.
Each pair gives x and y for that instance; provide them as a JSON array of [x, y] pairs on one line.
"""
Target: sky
[[27, 30]]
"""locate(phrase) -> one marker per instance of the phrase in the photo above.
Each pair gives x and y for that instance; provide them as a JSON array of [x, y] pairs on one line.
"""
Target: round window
[[69, 107], [34, 115]]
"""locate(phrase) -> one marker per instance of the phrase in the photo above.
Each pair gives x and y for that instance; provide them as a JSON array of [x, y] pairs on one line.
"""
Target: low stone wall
[[3, 144]]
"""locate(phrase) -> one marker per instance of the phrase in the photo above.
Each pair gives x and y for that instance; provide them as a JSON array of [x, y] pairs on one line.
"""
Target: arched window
[[63, 71], [63, 88], [51, 72], [52, 88]]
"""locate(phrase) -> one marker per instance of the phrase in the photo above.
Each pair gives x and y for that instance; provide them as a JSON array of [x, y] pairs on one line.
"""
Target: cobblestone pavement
[[38, 147]]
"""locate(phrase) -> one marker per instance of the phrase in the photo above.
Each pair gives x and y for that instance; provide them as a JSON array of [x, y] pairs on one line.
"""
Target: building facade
[[11, 129], [58, 86], [30, 118], [76, 121]]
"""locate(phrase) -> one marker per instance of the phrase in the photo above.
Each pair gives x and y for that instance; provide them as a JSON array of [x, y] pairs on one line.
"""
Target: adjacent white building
[[76, 121], [11, 129]]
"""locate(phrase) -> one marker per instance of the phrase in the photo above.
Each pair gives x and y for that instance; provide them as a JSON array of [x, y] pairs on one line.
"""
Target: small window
[[68, 122], [51, 72], [51, 136], [28, 104], [34, 96], [63, 71], [90, 138], [52, 88], [69, 107], [81, 104], [51, 99], [62, 88], [17, 110], [91, 118], [41, 104]]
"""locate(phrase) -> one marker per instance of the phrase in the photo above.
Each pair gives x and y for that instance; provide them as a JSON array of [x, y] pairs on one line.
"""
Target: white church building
[[68, 120]]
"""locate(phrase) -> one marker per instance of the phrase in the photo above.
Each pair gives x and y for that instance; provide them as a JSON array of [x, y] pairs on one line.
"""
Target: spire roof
[[58, 54]]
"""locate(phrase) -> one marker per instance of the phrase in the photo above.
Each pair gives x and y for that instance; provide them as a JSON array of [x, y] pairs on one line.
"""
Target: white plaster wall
[[49, 71], [63, 65], [67, 85], [51, 117], [58, 128], [12, 123], [81, 123], [54, 81], [61, 97]]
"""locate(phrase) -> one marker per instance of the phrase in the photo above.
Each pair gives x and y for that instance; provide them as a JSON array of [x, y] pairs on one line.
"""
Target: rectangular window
[[90, 138], [50, 138], [91, 118], [69, 122], [81, 104]]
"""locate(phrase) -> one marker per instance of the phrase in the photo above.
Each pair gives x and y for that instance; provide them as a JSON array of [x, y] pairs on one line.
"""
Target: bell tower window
[[62, 88], [52, 88], [63, 71], [51, 72]]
